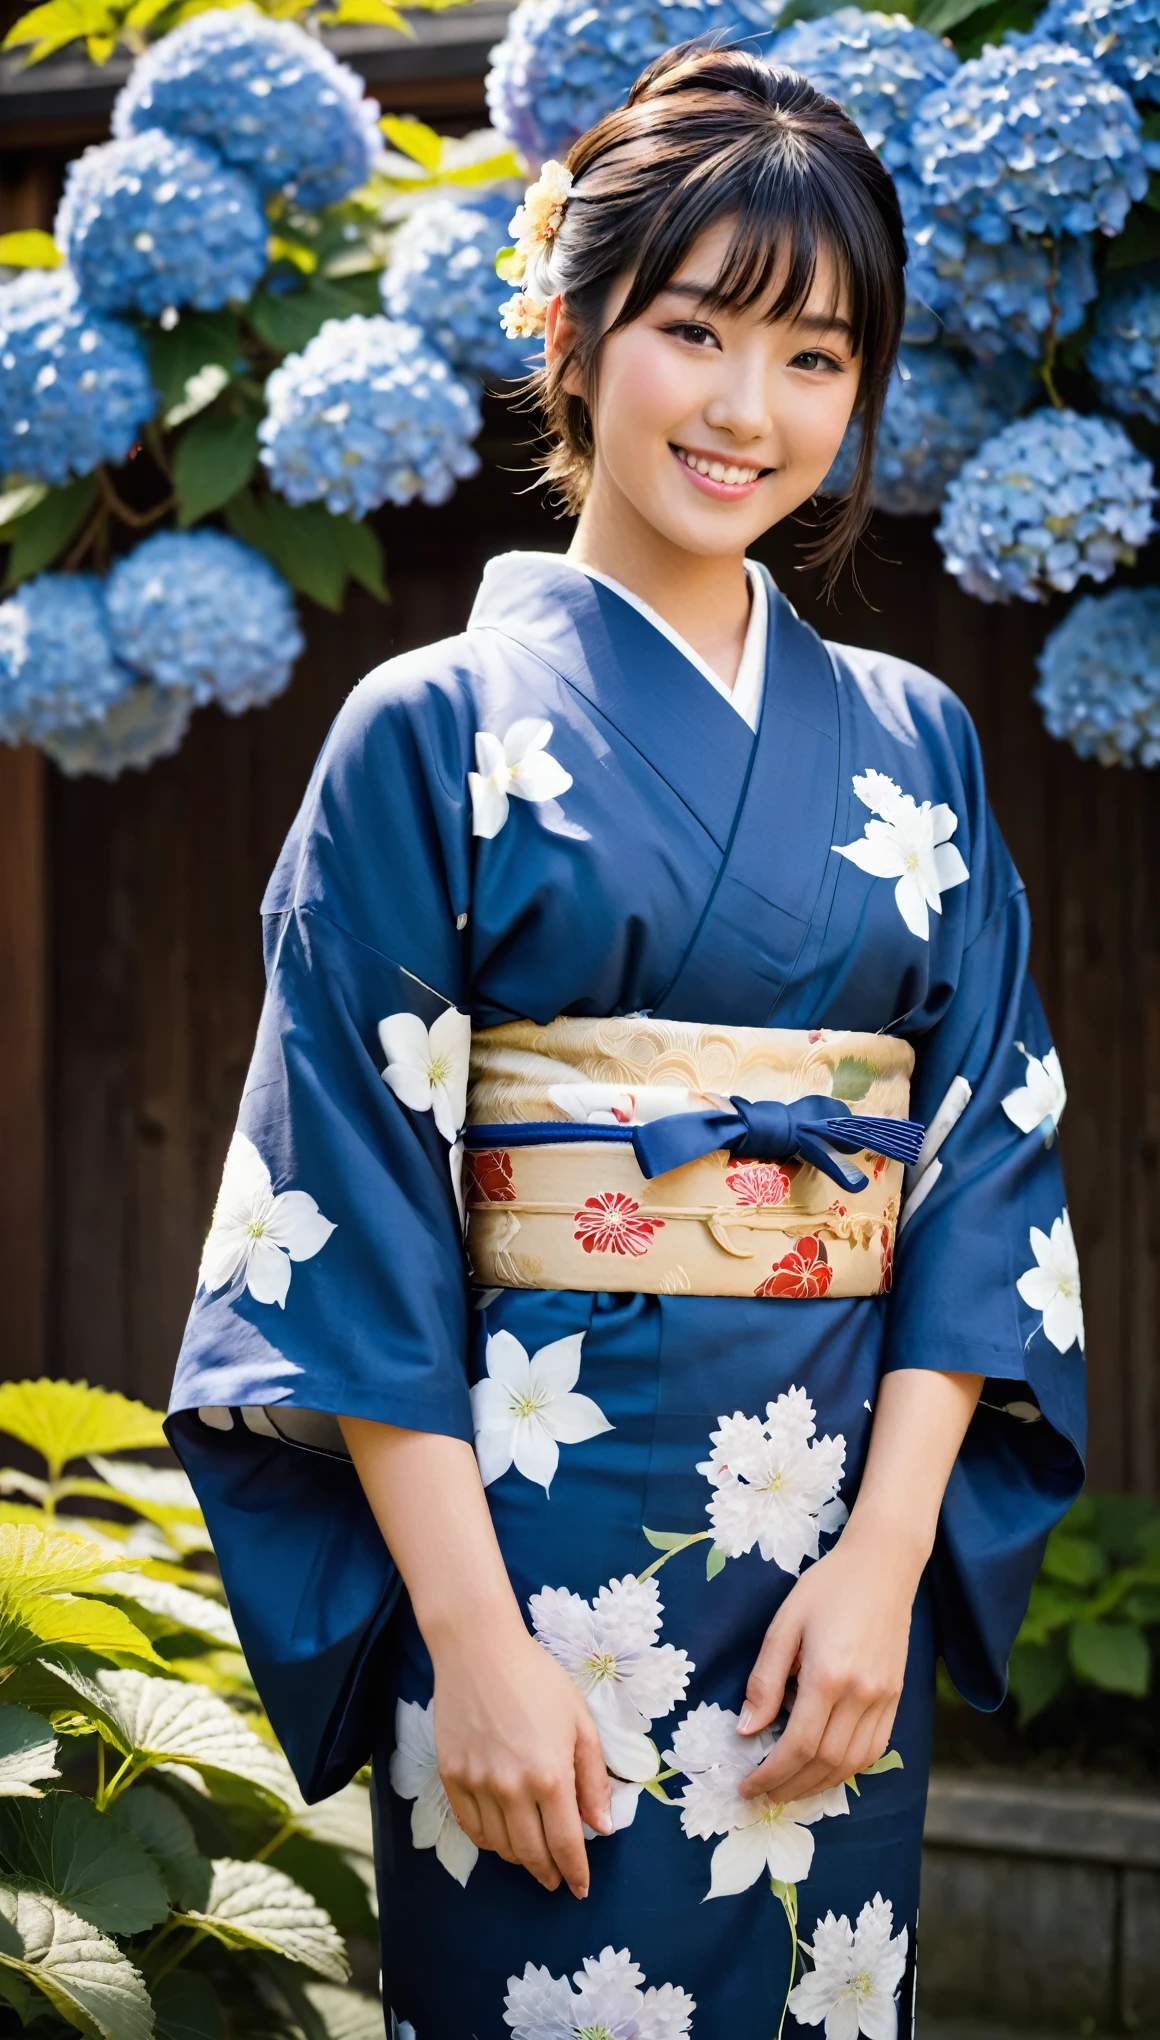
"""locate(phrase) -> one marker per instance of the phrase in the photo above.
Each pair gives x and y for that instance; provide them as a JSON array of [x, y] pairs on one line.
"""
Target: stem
[[100, 1770], [276, 1840], [121, 1778], [788, 1897], [136, 519], [91, 533], [176, 1954], [1047, 370], [695, 1537]]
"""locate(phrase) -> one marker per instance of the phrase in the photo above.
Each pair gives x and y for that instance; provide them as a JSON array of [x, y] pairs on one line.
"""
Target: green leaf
[[715, 1562], [302, 542], [286, 321], [1142, 1605], [84, 1858], [83, 1975], [215, 457], [42, 1621], [346, 2014], [17, 1994], [413, 138], [853, 1077], [890, 1760], [202, 390], [200, 340], [42, 535], [940, 15], [1078, 1561], [28, 1750], [30, 249], [1139, 242], [161, 1609], [167, 1490], [166, 1835], [65, 1420], [58, 23], [43, 1575], [252, 1905], [510, 266], [362, 556], [331, 1881], [669, 1540], [1038, 1675], [1113, 1655], [501, 169], [186, 2009], [16, 503]]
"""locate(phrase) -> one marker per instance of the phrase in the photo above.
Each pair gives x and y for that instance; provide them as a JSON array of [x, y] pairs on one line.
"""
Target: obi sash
[[620, 1155]]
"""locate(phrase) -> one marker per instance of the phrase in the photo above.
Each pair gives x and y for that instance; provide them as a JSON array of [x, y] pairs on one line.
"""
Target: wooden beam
[[23, 1065]]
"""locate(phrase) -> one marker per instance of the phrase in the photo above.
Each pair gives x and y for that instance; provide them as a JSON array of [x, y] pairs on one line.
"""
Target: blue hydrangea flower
[[266, 96], [57, 663], [986, 298], [146, 723], [1099, 677], [150, 222], [74, 385], [1123, 354], [878, 66], [1049, 501], [1034, 138], [935, 416], [563, 64], [368, 413], [442, 278], [201, 612], [1122, 35]]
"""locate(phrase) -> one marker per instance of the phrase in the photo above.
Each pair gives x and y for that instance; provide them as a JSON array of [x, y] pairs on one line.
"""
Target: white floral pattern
[[1052, 1286], [519, 767], [608, 2003], [608, 1647], [254, 1235], [854, 1981], [414, 1773], [762, 1837], [427, 1066], [910, 844], [774, 1487], [1039, 1101], [524, 1410]]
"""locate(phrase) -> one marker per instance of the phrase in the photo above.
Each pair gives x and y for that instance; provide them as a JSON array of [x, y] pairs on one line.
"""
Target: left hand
[[842, 1633]]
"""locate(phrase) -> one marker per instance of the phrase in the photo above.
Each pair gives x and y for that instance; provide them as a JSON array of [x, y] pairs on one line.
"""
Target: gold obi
[[581, 1215]]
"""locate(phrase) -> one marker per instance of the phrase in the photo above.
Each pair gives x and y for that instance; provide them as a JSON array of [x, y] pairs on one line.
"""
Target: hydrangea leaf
[[362, 555], [215, 457], [83, 1975], [185, 2008], [252, 1905], [288, 320], [413, 138], [1113, 1655], [16, 503], [31, 248], [57, 23], [41, 536], [65, 1420], [86, 1859], [27, 1753], [940, 16], [166, 1835], [199, 340], [302, 543]]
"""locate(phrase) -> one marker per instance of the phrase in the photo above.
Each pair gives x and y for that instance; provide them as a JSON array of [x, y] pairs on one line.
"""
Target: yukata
[[546, 828]]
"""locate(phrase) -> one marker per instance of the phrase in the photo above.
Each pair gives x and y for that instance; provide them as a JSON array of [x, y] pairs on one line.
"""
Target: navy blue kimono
[[840, 870]]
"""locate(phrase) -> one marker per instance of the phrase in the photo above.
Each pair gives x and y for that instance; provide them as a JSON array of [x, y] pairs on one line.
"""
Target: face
[[713, 425]]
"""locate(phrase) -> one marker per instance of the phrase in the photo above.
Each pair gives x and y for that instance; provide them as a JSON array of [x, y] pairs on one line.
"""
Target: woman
[[684, 1503]]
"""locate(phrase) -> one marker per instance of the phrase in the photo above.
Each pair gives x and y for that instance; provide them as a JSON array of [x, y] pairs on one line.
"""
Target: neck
[[705, 598]]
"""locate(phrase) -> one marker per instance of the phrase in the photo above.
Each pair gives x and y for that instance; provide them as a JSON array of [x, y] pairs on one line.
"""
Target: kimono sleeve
[[986, 1280], [333, 1280]]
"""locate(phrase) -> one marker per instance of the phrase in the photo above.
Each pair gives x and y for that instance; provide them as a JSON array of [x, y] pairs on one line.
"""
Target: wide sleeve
[[986, 1279], [332, 1282]]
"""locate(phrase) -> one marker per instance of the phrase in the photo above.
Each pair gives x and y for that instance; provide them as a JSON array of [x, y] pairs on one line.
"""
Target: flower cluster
[[1099, 677], [609, 1999], [368, 413], [442, 278], [535, 225], [149, 223], [1123, 355], [763, 1837], [877, 66], [58, 667], [144, 724], [1122, 35], [74, 385], [985, 298], [935, 416], [560, 67], [1031, 137], [853, 1985], [1050, 500], [775, 1483], [269, 99], [201, 612]]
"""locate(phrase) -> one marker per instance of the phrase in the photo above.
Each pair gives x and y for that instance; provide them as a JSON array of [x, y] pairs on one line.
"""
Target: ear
[[560, 336]]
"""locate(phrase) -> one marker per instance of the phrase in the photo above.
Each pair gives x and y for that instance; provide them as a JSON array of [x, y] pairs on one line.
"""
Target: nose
[[742, 405]]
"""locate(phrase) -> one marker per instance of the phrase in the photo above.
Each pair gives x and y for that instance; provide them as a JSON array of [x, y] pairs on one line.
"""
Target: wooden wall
[[156, 979]]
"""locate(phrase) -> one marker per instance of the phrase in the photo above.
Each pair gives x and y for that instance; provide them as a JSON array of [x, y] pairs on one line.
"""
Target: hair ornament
[[535, 226]]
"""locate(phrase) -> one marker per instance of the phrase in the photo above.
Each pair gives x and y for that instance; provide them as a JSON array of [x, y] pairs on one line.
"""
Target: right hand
[[519, 1754]]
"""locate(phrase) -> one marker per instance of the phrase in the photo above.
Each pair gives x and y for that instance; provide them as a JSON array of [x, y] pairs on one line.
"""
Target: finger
[[776, 1660], [465, 1807], [844, 1733], [526, 1832], [877, 1738], [593, 1791], [797, 1747], [495, 1829], [565, 1838]]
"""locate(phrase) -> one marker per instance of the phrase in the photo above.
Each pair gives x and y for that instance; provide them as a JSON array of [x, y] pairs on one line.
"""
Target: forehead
[[711, 261]]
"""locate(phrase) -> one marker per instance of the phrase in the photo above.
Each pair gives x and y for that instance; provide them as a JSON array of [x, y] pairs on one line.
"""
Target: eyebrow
[[814, 322]]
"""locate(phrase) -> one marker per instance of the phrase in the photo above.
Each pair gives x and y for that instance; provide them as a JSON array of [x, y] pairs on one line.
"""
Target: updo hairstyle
[[719, 134]]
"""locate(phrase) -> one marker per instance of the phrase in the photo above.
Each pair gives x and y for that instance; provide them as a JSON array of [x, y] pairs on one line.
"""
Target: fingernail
[[746, 1722], [605, 1823]]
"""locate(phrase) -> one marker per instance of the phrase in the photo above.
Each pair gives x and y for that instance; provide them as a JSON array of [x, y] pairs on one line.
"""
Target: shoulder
[[908, 705]]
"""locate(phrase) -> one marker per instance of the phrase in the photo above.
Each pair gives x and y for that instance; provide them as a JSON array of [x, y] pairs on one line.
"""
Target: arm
[[518, 1751], [843, 1630]]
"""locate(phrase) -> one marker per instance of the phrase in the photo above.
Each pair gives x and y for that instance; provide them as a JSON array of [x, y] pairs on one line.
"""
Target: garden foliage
[[160, 1874]]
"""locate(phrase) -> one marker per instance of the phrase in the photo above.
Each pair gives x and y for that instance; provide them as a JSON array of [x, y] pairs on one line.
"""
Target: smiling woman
[[685, 914]]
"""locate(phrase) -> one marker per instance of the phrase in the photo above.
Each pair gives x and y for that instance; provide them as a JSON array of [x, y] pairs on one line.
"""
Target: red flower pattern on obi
[[612, 1224], [804, 1272], [759, 1183], [879, 1166], [887, 1258], [489, 1176]]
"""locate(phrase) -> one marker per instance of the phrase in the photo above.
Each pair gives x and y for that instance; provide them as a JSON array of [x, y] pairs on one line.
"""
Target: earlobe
[[559, 341]]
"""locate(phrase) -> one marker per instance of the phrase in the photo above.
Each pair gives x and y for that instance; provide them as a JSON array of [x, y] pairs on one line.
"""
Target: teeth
[[718, 470]]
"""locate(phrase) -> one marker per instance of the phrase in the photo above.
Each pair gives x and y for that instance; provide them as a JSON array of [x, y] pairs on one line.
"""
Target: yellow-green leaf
[[65, 1420], [413, 138], [43, 1621], [30, 249], [279, 249], [16, 503], [44, 1561], [510, 266], [376, 13]]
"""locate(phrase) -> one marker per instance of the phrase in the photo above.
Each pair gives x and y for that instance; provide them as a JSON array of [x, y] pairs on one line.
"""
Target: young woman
[[683, 1501]]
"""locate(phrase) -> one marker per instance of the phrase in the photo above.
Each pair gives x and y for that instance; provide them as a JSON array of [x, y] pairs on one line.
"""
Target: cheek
[[820, 424], [643, 391]]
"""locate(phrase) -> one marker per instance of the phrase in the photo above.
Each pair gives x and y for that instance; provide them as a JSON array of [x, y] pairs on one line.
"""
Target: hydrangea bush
[[200, 613], [985, 298], [1122, 35], [441, 277], [936, 414], [57, 659], [878, 66], [75, 388], [1123, 355], [1099, 677]]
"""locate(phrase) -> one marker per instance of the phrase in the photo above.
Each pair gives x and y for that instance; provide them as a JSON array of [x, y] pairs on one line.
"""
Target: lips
[[727, 474]]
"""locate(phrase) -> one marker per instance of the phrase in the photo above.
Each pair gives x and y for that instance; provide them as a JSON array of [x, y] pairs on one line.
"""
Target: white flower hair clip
[[535, 226]]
